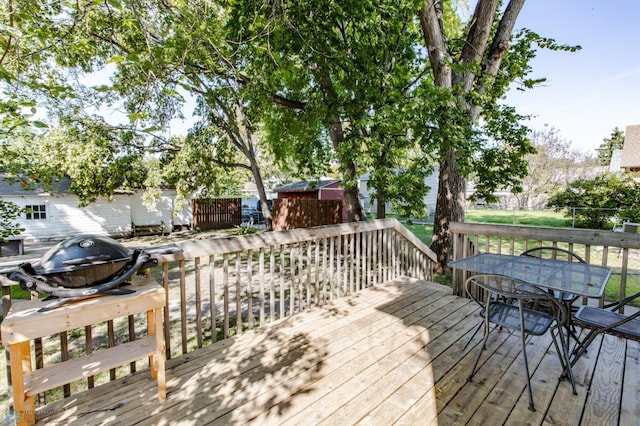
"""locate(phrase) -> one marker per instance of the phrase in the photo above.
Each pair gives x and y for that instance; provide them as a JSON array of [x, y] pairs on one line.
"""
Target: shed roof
[[306, 186]]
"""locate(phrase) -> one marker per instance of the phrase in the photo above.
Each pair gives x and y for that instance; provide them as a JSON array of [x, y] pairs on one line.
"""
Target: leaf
[[116, 59]]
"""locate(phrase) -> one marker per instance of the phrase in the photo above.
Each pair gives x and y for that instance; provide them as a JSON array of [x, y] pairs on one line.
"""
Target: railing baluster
[[198, 303], [317, 271], [309, 271], [249, 289], [183, 305], [261, 283], [227, 296], [238, 293], [282, 289], [272, 288], [212, 298]]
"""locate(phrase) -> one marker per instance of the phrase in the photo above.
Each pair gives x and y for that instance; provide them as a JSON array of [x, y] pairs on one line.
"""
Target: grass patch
[[544, 218]]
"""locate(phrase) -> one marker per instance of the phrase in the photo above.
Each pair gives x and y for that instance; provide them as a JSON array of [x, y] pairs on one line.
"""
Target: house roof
[[13, 188], [631, 149], [10, 187], [306, 186]]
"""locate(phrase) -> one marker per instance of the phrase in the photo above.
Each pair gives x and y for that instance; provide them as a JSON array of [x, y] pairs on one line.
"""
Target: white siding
[[429, 200], [65, 219], [184, 216], [162, 211], [432, 197]]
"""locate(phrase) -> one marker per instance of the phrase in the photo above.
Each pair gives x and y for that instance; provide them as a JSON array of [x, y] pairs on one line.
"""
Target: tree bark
[[449, 208], [451, 184]]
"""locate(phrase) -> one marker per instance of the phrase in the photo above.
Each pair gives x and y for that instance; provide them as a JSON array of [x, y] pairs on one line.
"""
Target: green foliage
[[347, 85], [246, 230], [8, 213], [343, 76], [598, 199], [154, 53], [608, 145]]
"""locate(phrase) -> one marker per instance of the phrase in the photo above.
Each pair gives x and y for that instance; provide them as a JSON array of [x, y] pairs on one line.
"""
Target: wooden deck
[[390, 354]]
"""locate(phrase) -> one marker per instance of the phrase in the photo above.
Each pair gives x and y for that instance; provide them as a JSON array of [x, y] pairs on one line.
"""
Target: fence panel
[[217, 213], [291, 213]]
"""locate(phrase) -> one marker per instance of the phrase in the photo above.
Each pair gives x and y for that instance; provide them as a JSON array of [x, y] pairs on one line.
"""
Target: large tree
[[475, 134], [346, 72], [553, 166], [348, 83], [158, 56]]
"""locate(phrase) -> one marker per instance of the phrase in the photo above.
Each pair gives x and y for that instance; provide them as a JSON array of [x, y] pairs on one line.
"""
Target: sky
[[590, 92]]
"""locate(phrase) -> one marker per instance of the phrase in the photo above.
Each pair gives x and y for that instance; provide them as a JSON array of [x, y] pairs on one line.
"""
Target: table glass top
[[577, 278]]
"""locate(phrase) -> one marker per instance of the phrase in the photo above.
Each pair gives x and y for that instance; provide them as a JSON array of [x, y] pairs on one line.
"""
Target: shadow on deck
[[389, 354]]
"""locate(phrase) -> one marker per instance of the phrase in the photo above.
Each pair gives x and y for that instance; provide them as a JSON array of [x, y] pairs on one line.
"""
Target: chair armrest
[[617, 305]]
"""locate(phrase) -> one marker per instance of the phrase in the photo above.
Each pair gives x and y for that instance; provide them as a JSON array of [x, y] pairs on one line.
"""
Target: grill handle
[[34, 283]]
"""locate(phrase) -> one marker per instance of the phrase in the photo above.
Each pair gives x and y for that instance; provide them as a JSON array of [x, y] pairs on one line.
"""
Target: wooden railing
[[246, 281], [222, 287], [618, 250]]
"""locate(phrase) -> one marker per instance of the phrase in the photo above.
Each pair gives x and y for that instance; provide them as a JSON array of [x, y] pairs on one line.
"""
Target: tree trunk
[[349, 177], [449, 208], [262, 194], [349, 170], [381, 208]]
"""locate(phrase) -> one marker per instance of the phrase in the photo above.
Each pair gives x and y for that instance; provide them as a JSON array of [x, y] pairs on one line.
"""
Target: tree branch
[[476, 43], [431, 21], [290, 103]]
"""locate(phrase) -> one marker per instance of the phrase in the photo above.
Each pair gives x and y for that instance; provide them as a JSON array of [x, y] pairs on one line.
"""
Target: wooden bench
[[24, 323], [141, 230]]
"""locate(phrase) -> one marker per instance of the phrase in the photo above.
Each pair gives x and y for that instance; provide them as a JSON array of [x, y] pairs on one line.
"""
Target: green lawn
[[544, 218]]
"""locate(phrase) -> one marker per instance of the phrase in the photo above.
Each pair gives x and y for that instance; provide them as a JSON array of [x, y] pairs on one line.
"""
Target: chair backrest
[[553, 253], [487, 288], [502, 287]]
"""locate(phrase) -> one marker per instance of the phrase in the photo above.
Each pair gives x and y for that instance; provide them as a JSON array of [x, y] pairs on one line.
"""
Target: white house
[[429, 200], [57, 215]]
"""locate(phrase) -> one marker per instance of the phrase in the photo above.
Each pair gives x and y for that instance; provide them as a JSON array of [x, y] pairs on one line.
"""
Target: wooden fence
[[617, 250], [218, 213], [291, 213], [222, 287]]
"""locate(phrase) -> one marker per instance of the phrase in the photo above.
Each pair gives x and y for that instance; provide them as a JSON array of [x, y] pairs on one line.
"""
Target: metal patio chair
[[607, 320], [558, 253], [504, 302]]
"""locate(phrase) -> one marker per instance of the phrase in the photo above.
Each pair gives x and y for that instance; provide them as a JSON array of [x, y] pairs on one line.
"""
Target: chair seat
[[599, 318], [535, 322]]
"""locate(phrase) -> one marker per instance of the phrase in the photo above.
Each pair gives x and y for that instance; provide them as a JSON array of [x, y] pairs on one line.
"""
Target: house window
[[36, 212]]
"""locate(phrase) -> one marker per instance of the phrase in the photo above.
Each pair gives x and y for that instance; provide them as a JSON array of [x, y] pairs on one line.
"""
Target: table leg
[[24, 406]]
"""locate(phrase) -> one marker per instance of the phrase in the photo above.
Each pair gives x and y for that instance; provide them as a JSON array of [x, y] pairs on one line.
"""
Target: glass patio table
[[580, 279]]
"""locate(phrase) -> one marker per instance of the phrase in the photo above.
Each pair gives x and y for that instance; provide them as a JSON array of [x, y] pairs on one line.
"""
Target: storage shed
[[324, 189]]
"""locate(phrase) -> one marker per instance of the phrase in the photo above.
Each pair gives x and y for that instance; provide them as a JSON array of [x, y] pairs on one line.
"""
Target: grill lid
[[83, 251]]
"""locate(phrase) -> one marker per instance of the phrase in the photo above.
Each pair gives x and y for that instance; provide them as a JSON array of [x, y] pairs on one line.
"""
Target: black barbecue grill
[[85, 266]]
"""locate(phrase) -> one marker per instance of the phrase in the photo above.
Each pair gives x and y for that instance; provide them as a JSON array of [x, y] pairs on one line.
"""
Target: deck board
[[390, 354]]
